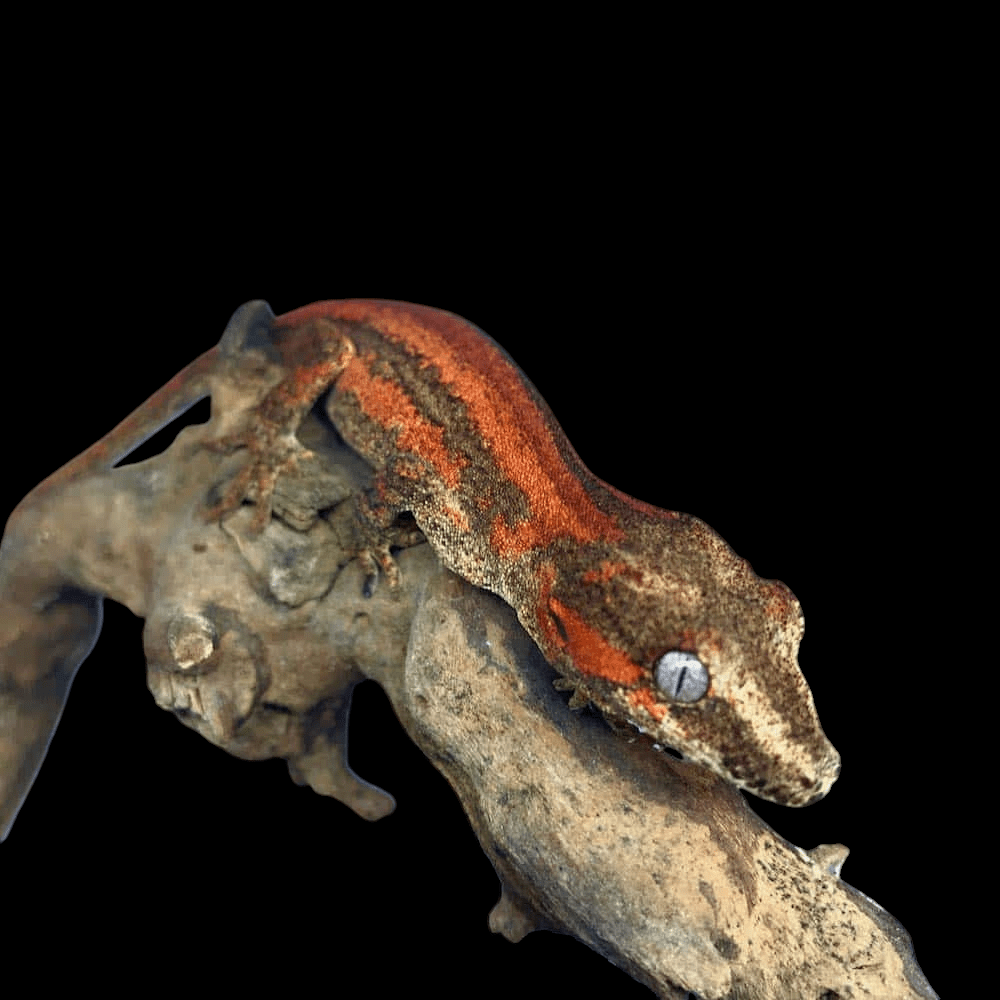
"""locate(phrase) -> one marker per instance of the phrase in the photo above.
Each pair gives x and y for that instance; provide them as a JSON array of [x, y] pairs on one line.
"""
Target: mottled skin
[[603, 583]]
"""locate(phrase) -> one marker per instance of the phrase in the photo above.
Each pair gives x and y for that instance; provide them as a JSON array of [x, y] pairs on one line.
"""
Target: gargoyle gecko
[[647, 613]]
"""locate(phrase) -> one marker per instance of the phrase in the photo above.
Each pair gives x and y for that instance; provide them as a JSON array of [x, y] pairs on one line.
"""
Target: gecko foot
[[580, 698], [271, 456], [316, 357], [377, 560], [380, 530]]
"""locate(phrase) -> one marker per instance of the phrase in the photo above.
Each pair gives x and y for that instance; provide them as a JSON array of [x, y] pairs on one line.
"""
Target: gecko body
[[645, 612]]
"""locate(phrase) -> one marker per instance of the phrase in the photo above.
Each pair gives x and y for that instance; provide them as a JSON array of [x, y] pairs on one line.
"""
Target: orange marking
[[554, 642], [386, 403], [700, 641], [591, 653], [606, 570], [457, 517], [643, 698], [519, 437]]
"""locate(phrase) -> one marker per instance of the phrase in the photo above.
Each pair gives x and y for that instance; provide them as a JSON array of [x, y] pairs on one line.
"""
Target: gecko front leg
[[269, 429]]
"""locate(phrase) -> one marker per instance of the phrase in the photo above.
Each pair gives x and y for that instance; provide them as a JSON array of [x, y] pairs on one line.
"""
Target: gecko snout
[[822, 779], [828, 774]]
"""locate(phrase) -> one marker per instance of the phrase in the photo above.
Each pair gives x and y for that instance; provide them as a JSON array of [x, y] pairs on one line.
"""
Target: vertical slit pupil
[[680, 681]]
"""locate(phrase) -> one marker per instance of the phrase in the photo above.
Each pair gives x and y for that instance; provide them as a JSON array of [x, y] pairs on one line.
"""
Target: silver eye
[[682, 676]]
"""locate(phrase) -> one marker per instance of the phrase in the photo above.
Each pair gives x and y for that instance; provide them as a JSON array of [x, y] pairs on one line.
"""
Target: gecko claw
[[377, 561], [579, 697]]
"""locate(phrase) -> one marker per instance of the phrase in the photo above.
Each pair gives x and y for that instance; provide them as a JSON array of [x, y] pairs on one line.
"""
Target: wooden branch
[[257, 641]]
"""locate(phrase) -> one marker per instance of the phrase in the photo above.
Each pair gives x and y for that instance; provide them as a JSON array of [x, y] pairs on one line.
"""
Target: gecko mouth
[[801, 789]]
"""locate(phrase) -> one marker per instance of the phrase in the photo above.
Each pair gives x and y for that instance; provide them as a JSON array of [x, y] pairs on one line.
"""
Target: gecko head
[[680, 638], [742, 709]]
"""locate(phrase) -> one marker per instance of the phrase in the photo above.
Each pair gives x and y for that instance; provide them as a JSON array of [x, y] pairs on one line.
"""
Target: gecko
[[647, 614]]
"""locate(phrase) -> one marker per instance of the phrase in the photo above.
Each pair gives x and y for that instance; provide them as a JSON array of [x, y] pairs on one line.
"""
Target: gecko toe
[[377, 561]]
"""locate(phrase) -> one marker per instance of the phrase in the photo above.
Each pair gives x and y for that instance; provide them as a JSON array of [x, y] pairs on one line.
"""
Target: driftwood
[[256, 641]]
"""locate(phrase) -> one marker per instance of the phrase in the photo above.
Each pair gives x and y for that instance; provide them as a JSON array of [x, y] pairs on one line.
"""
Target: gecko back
[[645, 612]]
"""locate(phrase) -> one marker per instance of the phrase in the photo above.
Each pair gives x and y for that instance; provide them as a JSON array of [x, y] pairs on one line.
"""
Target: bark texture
[[256, 639]]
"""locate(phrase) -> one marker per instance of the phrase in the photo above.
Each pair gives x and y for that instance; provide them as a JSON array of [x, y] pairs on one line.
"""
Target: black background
[[736, 354]]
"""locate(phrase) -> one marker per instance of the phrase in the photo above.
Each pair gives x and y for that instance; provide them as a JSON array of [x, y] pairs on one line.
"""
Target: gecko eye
[[682, 676]]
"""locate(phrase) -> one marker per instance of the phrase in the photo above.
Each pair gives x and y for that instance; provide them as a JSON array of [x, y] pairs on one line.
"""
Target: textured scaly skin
[[605, 584]]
